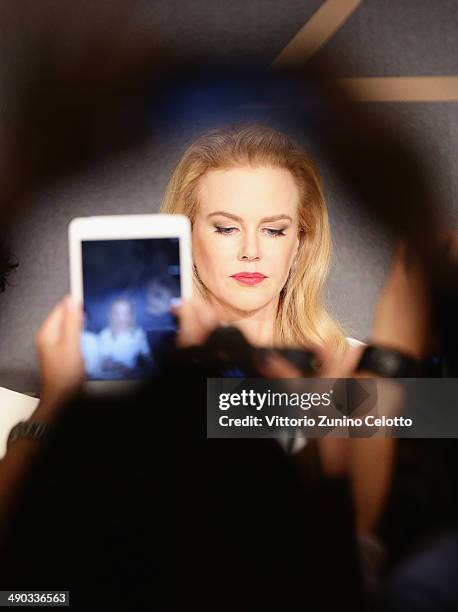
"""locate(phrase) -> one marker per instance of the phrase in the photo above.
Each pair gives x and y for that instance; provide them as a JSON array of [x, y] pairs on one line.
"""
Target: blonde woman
[[261, 248], [260, 235]]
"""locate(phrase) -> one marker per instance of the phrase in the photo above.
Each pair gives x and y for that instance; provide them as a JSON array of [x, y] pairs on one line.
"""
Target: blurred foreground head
[[7, 265]]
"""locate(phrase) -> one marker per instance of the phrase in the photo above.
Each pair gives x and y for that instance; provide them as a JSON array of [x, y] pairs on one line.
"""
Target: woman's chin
[[247, 303]]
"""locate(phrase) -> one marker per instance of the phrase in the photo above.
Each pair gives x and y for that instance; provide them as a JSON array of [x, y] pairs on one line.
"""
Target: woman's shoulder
[[139, 332]]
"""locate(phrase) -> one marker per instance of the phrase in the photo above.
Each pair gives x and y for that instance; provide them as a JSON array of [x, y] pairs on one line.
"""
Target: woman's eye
[[225, 230], [271, 231]]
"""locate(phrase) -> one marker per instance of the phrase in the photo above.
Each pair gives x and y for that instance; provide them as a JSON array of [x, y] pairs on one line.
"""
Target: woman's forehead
[[249, 192]]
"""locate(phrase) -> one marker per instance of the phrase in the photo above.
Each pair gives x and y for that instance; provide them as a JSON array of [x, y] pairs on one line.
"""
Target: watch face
[[390, 364]]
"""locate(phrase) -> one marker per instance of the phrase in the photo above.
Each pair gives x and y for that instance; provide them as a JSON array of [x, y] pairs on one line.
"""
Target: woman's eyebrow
[[236, 218]]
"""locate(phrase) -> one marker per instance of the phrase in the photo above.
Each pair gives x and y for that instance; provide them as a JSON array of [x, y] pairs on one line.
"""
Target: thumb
[[51, 330], [72, 321]]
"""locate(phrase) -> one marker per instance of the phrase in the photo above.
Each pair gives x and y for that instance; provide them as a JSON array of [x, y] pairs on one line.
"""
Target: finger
[[197, 318], [73, 321], [51, 330], [343, 367], [206, 315], [189, 332], [275, 366]]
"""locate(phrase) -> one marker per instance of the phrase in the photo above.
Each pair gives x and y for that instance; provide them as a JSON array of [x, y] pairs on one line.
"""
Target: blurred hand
[[59, 353], [402, 317], [197, 319], [273, 365]]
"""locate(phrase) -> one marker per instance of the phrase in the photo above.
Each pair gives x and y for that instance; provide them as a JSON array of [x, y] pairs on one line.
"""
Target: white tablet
[[127, 270]]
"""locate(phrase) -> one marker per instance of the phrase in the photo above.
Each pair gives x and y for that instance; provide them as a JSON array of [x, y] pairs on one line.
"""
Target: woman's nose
[[249, 248]]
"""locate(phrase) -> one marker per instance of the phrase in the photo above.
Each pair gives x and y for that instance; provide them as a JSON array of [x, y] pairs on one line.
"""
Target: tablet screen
[[128, 286]]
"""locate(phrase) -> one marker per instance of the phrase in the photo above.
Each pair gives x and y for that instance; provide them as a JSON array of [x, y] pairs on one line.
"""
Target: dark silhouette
[[8, 264], [131, 506]]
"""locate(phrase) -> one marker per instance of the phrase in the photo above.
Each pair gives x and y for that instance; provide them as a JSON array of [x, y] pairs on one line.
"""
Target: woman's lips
[[249, 278]]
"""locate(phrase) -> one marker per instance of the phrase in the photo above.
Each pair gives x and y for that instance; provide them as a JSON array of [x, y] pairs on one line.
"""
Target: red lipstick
[[249, 278]]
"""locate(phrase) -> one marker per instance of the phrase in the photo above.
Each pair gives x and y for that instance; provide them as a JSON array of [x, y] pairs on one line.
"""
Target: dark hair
[[164, 280], [8, 263]]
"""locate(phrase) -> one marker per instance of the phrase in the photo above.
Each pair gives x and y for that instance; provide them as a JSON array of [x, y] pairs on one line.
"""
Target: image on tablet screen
[[128, 286]]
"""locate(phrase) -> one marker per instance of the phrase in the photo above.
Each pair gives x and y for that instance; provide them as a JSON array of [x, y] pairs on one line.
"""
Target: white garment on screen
[[91, 352], [125, 347]]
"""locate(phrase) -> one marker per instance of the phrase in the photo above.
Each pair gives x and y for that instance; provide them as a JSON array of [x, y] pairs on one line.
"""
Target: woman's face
[[121, 315], [245, 234]]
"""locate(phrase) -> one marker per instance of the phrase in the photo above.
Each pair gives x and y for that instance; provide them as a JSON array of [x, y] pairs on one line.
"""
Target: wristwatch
[[28, 429], [389, 363]]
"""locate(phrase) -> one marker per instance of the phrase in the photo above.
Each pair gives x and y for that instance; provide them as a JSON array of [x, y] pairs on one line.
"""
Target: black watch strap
[[389, 363], [28, 429]]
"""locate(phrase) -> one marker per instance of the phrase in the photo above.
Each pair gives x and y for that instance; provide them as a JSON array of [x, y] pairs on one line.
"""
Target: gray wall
[[383, 37]]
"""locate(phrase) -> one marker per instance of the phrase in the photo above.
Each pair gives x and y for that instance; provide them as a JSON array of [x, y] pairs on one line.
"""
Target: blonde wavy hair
[[302, 319]]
